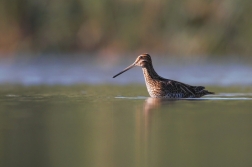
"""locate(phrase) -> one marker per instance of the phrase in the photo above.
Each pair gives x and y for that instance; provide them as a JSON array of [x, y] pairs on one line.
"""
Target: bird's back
[[173, 89]]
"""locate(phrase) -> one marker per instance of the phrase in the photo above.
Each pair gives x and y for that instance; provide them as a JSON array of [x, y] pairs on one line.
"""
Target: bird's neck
[[151, 78], [149, 72]]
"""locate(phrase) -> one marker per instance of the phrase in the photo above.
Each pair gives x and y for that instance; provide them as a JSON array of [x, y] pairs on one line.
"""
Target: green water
[[118, 126]]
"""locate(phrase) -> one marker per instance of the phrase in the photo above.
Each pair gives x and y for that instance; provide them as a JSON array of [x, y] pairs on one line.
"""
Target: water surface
[[74, 69], [109, 125]]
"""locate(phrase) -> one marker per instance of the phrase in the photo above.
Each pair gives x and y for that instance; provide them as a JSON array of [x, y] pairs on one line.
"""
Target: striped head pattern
[[142, 60]]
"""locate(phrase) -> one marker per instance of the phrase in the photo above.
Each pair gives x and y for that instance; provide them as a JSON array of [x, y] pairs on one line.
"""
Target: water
[[69, 111], [112, 125], [69, 70]]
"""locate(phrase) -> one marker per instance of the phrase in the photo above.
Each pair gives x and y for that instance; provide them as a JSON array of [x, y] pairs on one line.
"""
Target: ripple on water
[[220, 96]]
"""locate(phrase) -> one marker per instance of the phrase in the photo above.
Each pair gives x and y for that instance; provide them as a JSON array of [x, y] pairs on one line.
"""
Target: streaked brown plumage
[[164, 88]]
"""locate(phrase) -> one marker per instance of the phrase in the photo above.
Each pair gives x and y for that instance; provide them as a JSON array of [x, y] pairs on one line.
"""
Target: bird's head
[[142, 60]]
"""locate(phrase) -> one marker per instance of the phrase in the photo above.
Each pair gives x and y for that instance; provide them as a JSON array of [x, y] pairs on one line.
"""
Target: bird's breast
[[154, 88], [153, 84]]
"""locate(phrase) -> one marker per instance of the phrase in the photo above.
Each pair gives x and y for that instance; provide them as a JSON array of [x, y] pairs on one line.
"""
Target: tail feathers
[[209, 92], [198, 88], [205, 92], [201, 90]]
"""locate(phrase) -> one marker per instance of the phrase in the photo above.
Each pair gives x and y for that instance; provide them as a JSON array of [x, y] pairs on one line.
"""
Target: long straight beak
[[126, 69]]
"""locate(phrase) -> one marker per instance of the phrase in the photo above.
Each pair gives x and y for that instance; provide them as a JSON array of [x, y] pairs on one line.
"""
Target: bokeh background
[[60, 106], [106, 27], [88, 41]]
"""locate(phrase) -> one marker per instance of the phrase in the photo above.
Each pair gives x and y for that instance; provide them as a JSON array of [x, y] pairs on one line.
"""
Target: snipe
[[164, 88]]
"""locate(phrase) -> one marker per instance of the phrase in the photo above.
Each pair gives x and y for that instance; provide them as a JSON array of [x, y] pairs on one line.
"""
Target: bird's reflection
[[145, 124], [155, 103], [151, 106]]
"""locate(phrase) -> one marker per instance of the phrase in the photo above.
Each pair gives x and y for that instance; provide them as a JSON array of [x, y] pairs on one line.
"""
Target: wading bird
[[160, 87]]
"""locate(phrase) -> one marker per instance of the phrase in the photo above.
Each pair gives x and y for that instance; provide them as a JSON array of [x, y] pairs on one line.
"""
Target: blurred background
[[60, 106], [177, 27], [44, 39], [67, 42], [61, 42]]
